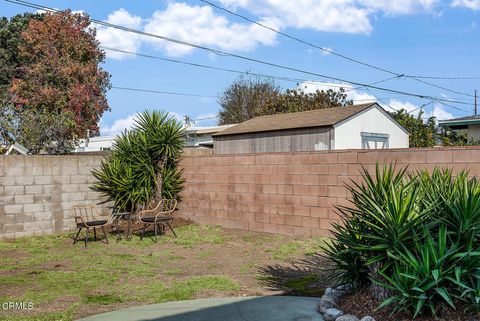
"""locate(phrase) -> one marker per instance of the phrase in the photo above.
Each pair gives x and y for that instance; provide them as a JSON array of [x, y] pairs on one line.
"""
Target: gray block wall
[[37, 193]]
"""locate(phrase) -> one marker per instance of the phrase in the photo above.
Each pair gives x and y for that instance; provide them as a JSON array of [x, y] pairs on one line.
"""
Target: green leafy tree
[[143, 163], [249, 97], [55, 72], [10, 61], [294, 101], [422, 133]]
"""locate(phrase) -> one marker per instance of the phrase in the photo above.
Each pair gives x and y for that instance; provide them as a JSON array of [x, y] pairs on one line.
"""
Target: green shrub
[[412, 238], [143, 163]]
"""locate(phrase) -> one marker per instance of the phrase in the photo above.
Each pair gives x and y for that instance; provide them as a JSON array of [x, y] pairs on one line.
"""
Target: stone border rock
[[329, 309]]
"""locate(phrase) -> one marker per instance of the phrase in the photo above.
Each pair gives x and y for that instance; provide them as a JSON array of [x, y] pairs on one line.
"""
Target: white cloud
[[119, 125], [403, 7], [360, 97], [352, 16], [200, 25], [324, 15], [440, 113], [470, 4], [117, 39]]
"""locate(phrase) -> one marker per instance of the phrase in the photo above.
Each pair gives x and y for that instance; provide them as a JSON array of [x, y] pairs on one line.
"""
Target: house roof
[[208, 130], [304, 119], [475, 119]]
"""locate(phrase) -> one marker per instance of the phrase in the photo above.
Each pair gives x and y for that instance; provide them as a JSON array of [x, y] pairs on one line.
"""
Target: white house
[[195, 137], [96, 144], [470, 123], [354, 127], [202, 136]]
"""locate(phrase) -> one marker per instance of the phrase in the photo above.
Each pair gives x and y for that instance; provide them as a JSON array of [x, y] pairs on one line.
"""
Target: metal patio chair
[[87, 217], [159, 216]]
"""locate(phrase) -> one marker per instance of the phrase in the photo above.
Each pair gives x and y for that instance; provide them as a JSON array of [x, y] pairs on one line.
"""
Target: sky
[[431, 38]]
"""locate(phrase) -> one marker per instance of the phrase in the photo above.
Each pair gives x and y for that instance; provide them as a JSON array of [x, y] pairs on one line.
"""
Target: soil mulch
[[362, 304]]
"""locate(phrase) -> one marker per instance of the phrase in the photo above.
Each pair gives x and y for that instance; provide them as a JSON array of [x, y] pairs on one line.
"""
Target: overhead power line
[[162, 92], [329, 51], [290, 79], [296, 80], [444, 78], [223, 53]]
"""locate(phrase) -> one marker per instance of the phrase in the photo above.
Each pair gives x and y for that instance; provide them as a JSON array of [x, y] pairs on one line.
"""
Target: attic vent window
[[374, 140]]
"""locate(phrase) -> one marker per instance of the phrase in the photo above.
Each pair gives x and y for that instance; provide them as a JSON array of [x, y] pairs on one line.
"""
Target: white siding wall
[[473, 132], [348, 134]]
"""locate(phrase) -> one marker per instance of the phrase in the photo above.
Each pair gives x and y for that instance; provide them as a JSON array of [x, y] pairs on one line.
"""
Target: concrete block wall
[[293, 193], [37, 193], [286, 193]]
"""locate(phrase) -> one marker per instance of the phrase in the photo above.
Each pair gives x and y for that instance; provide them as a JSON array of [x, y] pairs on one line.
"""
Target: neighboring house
[[353, 127], [195, 137], [202, 136], [96, 144], [470, 123]]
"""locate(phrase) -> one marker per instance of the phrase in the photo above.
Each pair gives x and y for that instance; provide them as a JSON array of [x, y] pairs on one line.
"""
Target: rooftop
[[474, 119], [304, 119]]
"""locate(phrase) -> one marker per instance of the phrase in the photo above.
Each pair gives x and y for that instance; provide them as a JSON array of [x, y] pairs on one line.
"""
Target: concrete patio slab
[[272, 308]]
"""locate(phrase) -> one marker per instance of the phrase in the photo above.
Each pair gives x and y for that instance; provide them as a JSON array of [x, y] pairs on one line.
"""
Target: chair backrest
[[168, 205], [86, 213], [165, 206]]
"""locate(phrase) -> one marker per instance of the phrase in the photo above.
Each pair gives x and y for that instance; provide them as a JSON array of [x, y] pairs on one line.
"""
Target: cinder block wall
[[287, 193], [293, 193], [37, 193]]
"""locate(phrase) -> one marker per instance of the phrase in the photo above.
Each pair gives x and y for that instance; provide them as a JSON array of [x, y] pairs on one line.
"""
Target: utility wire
[[295, 80], [222, 53], [328, 50], [444, 78], [162, 92]]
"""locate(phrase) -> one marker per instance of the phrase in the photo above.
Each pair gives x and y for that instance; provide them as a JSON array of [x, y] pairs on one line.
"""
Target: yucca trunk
[[377, 291], [159, 180]]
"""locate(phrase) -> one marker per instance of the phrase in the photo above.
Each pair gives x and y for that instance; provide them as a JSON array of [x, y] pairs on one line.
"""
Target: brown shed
[[365, 125]]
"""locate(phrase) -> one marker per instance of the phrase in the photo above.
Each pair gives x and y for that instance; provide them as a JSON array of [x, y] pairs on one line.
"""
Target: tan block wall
[[293, 193], [37, 193], [286, 193]]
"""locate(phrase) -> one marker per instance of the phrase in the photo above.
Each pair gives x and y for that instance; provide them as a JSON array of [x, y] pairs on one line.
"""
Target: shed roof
[[304, 119]]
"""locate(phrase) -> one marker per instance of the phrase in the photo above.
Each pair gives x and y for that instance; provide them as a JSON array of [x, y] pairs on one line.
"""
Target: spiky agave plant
[[384, 216], [143, 163]]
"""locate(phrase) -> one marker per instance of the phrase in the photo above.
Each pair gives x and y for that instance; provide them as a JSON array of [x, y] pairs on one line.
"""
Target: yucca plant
[[385, 215], [143, 163], [421, 276], [347, 264]]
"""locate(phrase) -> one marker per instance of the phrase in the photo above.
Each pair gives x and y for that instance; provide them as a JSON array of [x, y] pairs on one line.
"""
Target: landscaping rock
[[347, 317], [332, 314], [337, 294], [367, 318], [327, 302]]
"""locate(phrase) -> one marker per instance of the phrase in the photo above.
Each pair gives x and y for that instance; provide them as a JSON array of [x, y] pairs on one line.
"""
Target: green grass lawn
[[66, 281]]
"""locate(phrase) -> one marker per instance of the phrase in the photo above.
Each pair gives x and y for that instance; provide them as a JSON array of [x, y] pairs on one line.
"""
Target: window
[[374, 140]]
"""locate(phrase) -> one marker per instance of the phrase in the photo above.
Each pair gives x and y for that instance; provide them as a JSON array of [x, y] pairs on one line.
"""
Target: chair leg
[[171, 229], [95, 234], [76, 237], [143, 231], [105, 234], [156, 229], [160, 230], [86, 237]]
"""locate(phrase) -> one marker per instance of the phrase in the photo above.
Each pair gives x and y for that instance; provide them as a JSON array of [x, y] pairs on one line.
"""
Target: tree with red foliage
[[60, 74]]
